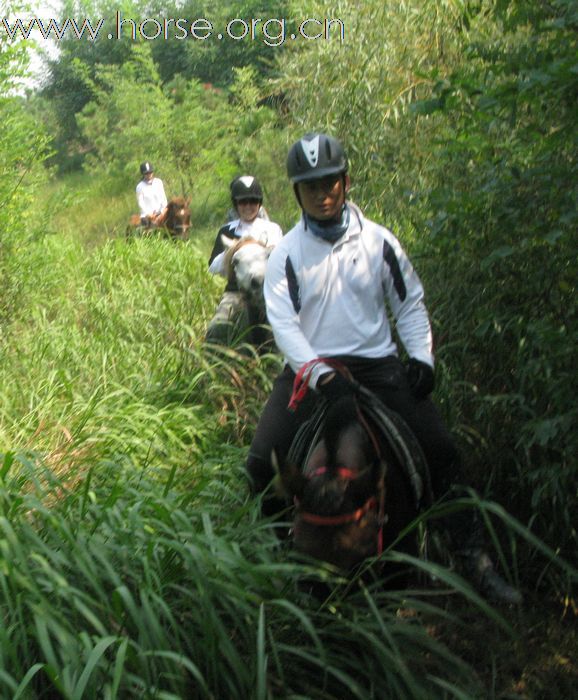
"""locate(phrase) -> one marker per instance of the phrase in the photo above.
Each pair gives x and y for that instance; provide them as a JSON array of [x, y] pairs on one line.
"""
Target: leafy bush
[[23, 147]]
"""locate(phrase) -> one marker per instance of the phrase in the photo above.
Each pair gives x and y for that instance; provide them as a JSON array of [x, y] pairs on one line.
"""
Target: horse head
[[178, 217], [246, 262], [339, 495]]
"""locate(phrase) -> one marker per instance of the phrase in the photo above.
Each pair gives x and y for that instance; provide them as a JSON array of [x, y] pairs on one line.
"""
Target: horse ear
[[227, 242], [291, 478]]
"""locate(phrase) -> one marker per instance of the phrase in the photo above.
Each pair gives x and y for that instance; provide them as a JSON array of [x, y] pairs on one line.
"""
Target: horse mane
[[230, 254], [341, 415], [342, 433]]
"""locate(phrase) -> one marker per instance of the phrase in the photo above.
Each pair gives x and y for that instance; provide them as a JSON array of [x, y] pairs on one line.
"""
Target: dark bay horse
[[175, 222], [361, 483]]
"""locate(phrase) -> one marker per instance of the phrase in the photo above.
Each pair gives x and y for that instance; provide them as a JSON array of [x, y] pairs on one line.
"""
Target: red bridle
[[300, 389], [355, 516], [344, 519]]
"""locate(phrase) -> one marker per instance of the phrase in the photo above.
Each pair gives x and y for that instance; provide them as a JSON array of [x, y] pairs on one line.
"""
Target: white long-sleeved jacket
[[151, 196], [327, 299]]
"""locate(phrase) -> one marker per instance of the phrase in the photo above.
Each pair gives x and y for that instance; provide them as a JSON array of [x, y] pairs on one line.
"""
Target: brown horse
[[174, 222], [362, 483], [178, 218]]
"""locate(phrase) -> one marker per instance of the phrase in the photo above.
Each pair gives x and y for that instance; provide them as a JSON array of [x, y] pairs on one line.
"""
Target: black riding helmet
[[315, 156], [146, 168], [246, 187]]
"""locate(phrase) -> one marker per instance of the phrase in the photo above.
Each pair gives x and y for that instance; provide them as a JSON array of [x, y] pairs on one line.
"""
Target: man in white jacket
[[231, 319], [150, 196], [326, 289]]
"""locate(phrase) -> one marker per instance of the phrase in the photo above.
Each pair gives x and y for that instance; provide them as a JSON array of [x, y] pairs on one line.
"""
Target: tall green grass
[[130, 586], [133, 562]]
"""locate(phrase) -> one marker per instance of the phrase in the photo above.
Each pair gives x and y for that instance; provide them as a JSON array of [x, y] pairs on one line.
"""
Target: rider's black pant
[[387, 378]]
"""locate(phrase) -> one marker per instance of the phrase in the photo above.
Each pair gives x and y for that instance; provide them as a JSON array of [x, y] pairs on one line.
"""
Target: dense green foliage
[[23, 147], [199, 139], [76, 77], [132, 560], [214, 60]]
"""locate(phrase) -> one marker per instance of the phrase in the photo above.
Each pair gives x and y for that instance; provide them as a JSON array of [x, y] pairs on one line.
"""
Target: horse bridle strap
[[342, 472], [344, 519]]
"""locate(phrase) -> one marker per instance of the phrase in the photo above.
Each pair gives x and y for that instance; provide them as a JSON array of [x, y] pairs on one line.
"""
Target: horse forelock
[[347, 440], [324, 495]]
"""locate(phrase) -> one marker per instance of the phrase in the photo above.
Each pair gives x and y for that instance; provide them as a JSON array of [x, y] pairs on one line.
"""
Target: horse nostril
[[256, 284]]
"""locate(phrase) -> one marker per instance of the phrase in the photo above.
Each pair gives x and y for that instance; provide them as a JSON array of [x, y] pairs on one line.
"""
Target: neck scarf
[[330, 230]]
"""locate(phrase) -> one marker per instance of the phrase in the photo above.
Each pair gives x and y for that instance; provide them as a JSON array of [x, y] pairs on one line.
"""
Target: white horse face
[[249, 264]]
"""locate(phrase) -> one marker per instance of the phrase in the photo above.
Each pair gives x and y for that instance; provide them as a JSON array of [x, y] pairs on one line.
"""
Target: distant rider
[[151, 197]]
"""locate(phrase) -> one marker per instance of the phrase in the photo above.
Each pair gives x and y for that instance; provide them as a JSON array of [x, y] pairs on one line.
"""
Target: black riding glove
[[420, 377], [335, 388]]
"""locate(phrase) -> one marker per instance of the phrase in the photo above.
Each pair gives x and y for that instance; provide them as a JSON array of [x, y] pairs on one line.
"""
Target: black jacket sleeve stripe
[[218, 247], [293, 284], [391, 259]]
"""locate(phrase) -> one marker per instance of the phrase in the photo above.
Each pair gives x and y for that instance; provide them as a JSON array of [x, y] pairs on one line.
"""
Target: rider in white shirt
[[231, 318], [151, 197], [328, 288]]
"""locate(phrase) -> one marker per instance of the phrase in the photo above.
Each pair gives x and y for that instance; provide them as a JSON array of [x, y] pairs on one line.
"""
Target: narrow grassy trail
[[132, 561], [100, 326]]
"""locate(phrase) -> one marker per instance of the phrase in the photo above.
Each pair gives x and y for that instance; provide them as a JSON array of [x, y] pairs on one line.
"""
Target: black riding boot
[[470, 558]]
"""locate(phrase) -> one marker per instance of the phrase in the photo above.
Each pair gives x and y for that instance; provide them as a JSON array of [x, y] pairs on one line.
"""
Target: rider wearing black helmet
[[316, 156], [150, 195], [237, 191], [230, 319], [326, 289], [246, 187]]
